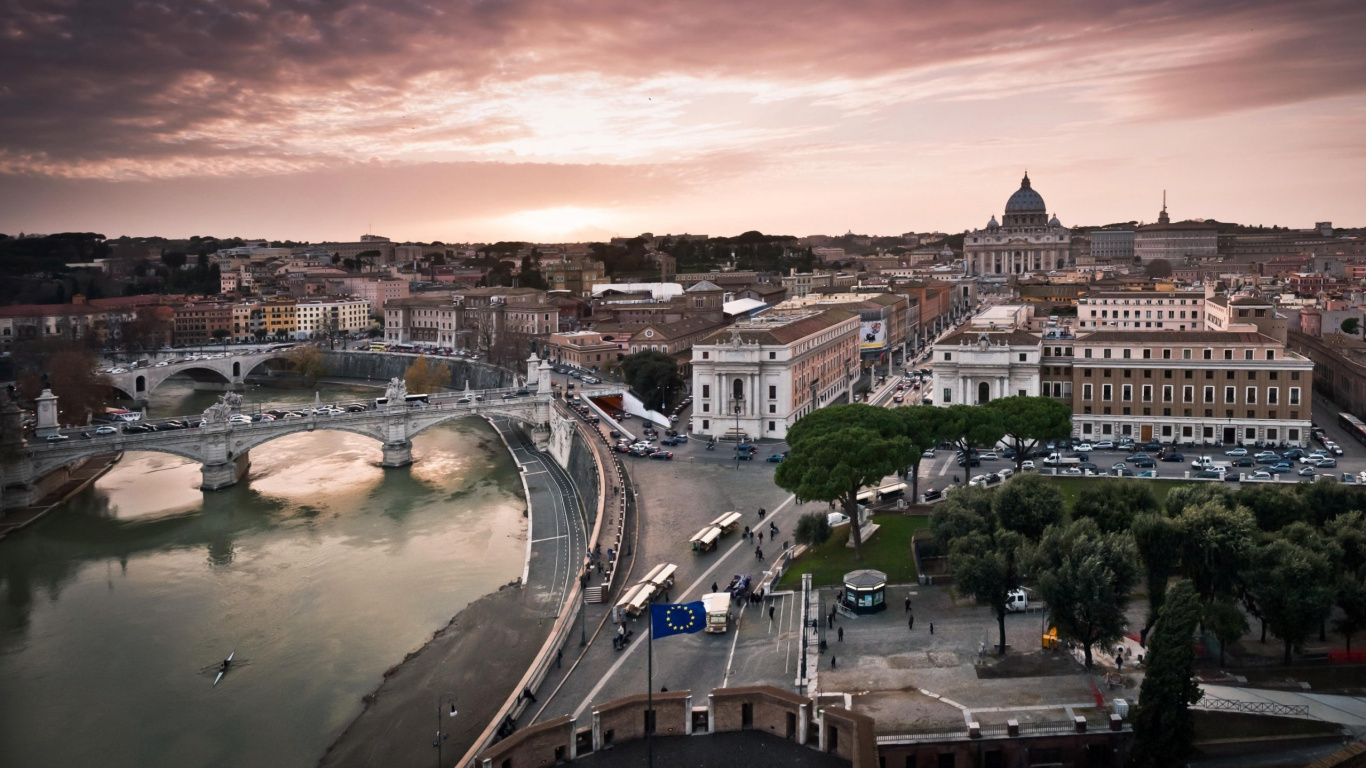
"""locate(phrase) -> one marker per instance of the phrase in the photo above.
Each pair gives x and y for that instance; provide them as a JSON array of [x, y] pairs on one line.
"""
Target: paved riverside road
[[557, 538], [675, 499]]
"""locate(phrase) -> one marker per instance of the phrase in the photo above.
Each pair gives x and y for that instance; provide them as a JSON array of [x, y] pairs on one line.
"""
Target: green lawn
[[1072, 487], [889, 552]]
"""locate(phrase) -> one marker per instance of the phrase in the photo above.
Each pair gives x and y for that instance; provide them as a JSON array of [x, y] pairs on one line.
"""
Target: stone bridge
[[218, 371], [223, 448]]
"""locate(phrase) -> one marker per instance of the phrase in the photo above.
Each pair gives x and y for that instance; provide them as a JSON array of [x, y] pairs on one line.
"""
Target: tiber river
[[321, 572]]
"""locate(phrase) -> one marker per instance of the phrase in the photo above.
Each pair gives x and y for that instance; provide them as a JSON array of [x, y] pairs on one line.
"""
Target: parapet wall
[[382, 366]]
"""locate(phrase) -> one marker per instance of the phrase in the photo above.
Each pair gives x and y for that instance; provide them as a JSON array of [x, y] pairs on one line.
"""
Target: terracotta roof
[[667, 331], [1175, 338], [1143, 294]]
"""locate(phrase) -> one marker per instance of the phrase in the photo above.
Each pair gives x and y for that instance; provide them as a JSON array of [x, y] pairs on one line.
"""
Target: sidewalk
[[1346, 710]]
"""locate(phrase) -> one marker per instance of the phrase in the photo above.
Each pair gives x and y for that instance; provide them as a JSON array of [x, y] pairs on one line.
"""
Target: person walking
[[758, 553], [832, 662], [841, 634], [713, 587], [761, 537], [770, 613], [559, 654], [931, 627], [910, 622], [908, 605]]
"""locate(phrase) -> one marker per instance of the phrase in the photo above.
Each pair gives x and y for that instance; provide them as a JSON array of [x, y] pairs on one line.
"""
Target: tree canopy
[[1163, 728], [1027, 422], [1085, 578], [422, 377], [654, 377]]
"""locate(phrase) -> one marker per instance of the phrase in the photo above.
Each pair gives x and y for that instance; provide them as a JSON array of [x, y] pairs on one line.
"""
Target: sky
[[481, 120]]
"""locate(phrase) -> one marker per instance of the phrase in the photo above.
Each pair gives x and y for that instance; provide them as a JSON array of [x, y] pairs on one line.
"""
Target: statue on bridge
[[397, 391], [221, 411]]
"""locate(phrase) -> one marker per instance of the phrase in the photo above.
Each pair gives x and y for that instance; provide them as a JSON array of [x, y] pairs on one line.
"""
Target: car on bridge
[[106, 430]]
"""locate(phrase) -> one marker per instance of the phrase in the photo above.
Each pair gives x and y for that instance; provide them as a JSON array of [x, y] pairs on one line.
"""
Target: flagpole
[[650, 694]]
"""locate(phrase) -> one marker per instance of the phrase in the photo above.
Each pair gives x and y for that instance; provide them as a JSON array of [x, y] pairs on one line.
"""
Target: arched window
[[983, 393]]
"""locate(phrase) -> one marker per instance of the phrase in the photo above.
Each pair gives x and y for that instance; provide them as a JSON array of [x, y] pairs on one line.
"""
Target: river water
[[320, 572]]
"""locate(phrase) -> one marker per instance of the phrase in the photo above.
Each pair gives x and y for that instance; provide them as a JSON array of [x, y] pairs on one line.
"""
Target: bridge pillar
[[397, 454], [540, 434], [225, 474]]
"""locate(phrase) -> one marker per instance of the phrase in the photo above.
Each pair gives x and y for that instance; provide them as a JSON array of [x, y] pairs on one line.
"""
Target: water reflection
[[322, 570]]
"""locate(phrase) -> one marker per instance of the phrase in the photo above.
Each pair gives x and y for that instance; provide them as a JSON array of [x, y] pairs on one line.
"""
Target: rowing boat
[[224, 669]]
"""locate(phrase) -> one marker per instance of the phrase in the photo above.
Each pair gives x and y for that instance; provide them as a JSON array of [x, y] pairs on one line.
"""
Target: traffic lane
[[767, 643], [676, 499]]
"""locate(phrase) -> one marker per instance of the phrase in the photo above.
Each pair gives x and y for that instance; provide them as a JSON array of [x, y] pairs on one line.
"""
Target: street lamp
[[443, 702]]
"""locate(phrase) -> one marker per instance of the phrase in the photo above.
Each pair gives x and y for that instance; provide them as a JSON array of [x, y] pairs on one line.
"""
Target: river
[[320, 572]]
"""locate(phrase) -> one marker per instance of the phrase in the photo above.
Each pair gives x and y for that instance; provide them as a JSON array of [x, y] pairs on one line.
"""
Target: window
[[1167, 393], [948, 395], [1209, 394], [1105, 392], [1147, 354], [1185, 354], [1024, 357], [1107, 353], [1166, 354], [1230, 395], [1127, 392], [706, 407], [1126, 354], [706, 424], [1148, 393], [772, 392], [706, 391], [772, 407], [1272, 396], [772, 355], [1085, 391], [1247, 354], [1228, 354], [1271, 355], [1209, 354], [948, 356], [706, 355], [1188, 394], [1294, 395], [772, 426], [1294, 375], [1086, 352]]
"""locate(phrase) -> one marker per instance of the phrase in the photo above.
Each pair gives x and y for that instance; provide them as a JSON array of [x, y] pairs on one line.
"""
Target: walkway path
[[1347, 710]]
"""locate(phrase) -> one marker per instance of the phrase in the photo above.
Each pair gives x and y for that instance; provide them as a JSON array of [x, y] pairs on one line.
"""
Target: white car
[[240, 418], [988, 456], [107, 430], [118, 370], [1262, 474], [836, 518], [1085, 448], [927, 454], [1027, 465], [1070, 471], [1005, 474], [161, 364]]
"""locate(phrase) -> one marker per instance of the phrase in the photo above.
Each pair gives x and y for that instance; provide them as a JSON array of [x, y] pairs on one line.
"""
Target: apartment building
[[315, 319], [1198, 386], [475, 318], [758, 377], [279, 318], [587, 350], [202, 323], [1141, 311]]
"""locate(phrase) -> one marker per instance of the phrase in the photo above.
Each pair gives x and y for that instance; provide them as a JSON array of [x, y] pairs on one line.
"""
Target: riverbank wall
[[382, 366]]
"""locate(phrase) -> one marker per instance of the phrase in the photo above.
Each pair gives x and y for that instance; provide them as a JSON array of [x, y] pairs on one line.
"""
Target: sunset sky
[[483, 120]]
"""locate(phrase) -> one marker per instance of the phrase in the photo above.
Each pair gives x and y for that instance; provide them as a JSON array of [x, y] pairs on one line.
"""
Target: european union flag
[[677, 619]]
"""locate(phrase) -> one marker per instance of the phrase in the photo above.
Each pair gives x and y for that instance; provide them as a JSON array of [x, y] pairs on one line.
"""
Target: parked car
[[1173, 456], [775, 458], [1306, 472], [1005, 474], [1236, 452], [1262, 474], [662, 455], [1104, 445], [1281, 468], [989, 456], [1027, 465], [1327, 463]]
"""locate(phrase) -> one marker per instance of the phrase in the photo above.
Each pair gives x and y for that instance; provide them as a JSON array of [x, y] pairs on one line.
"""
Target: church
[[1026, 239]]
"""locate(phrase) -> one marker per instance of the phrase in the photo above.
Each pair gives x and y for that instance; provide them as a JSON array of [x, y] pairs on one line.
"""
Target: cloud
[[128, 89]]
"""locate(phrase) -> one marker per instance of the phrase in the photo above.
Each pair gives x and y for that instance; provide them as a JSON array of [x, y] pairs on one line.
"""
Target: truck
[[1207, 463], [1059, 460], [717, 606]]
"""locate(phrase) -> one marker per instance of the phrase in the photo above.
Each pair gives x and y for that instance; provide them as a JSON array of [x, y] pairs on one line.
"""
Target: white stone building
[[1176, 242], [759, 376], [1026, 239], [331, 315], [974, 367], [1141, 311]]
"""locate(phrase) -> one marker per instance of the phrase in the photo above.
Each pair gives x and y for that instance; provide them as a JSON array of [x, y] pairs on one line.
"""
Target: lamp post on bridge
[[442, 701]]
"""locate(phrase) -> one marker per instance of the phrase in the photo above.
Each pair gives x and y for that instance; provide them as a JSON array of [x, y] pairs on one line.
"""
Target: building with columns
[[977, 366], [758, 377], [1025, 240]]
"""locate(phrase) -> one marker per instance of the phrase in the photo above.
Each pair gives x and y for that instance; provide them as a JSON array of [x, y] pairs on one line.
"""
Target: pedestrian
[[908, 605], [830, 621], [526, 692], [713, 587], [931, 627], [559, 654], [841, 634], [832, 662], [761, 537], [1119, 662], [759, 553], [770, 613]]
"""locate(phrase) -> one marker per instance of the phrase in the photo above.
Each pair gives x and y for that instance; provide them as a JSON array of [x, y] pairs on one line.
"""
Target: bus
[[1352, 426], [890, 491], [377, 346], [382, 403], [279, 347]]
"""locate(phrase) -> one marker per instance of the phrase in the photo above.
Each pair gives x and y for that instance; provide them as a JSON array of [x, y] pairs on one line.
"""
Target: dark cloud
[[129, 81]]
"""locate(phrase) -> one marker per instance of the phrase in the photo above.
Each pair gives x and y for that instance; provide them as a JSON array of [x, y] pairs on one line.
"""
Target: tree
[[220, 334], [1350, 595], [924, 426], [970, 427], [985, 557], [836, 451], [1027, 422], [422, 377], [81, 392], [1157, 539], [307, 361], [1028, 504], [813, 529], [1214, 546], [654, 376], [1351, 326], [1085, 578], [1225, 620], [1163, 728], [1274, 506], [1114, 504], [1158, 268], [1293, 585], [1183, 496]]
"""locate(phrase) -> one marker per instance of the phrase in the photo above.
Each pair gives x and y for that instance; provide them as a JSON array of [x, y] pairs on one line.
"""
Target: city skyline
[[550, 122]]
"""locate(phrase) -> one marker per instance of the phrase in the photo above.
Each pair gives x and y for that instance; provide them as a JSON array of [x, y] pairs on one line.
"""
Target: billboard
[[874, 336]]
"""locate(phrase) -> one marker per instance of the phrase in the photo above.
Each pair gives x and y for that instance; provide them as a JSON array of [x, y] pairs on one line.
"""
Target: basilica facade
[[1025, 240]]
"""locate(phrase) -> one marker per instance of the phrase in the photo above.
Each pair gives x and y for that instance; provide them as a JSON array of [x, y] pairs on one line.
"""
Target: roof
[[1190, 226], [702, 285], [660, 291], [1025, 199], [1144, 294], [668, 331], [866, 578], [1175, 338], [47, 310], [1013, 337], [742, 306], [767, 329]]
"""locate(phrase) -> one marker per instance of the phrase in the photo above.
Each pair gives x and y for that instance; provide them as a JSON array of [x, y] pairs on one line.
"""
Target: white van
[[1017, 601]]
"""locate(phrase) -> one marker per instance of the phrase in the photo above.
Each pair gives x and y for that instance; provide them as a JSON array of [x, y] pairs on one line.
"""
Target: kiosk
[[865, 591]]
